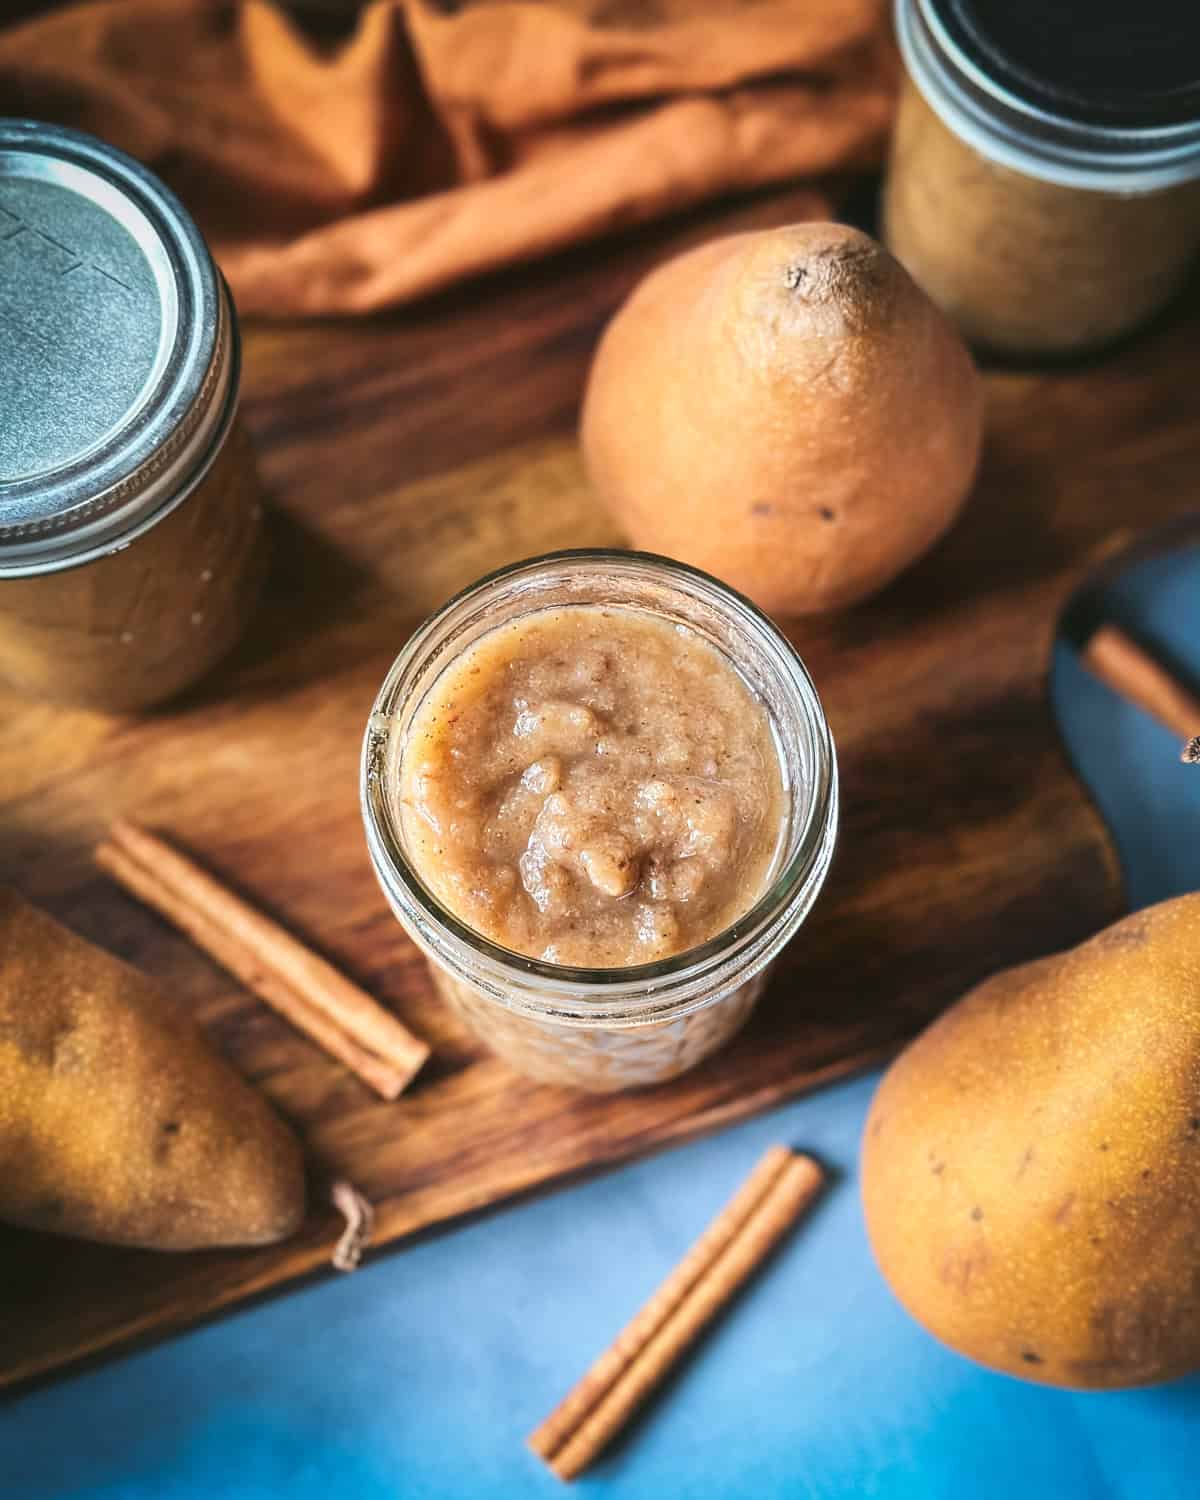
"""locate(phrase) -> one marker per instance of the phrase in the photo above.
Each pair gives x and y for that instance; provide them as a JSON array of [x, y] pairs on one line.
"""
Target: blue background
[[421, 1375]]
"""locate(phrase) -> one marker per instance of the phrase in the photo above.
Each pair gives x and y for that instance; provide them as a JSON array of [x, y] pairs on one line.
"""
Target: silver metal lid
[[116, 363]]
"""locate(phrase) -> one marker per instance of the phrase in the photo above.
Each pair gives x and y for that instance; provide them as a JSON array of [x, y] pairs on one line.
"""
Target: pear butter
[[593, 786]]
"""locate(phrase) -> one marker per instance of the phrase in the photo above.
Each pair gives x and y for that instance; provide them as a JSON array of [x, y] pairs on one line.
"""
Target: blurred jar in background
[[131, 538], [1044, 183]]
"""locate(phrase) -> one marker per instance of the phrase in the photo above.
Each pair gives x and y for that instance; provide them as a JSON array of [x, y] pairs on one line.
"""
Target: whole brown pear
[[786, 409], [117, 1121], [1031, 1163]]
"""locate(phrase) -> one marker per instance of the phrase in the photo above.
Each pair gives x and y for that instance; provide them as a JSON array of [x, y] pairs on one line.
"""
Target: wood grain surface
[[403, 457]]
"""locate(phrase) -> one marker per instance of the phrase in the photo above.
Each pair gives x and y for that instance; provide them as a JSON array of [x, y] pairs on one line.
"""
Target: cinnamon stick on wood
[[250, 969], [1132, 672], [299, 984], [775, 1195]]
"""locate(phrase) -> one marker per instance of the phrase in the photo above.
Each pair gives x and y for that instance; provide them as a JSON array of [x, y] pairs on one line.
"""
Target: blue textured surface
[[420, 1375]]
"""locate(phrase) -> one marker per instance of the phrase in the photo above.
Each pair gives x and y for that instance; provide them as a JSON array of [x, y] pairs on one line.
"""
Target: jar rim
[[1017, 133], [638, 992]]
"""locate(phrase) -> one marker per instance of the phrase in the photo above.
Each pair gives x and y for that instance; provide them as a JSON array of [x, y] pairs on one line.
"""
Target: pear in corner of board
[[117, 1121]]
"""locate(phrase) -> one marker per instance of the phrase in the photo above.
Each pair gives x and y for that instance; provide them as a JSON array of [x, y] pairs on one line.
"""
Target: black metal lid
[[1084, 93], [1123, 63]]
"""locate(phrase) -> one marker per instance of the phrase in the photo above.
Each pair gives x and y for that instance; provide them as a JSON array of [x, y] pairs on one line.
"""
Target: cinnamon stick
[[1132, 672], [736, 1243], [296, 982], [250, 969]]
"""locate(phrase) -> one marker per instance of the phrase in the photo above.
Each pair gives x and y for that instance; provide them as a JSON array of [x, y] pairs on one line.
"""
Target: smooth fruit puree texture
[[592, 786]]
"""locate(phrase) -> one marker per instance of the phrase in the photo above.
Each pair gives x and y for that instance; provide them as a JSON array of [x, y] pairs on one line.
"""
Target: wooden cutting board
[[405, 456]]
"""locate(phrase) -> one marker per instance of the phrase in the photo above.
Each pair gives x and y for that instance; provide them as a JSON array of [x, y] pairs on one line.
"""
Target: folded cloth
[[446, 137]]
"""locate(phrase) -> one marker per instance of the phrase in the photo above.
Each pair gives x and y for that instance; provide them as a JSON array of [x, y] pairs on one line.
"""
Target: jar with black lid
[[131, 536], [1044, 183]]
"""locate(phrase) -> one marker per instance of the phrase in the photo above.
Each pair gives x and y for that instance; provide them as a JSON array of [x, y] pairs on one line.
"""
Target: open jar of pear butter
[[1044, 181], [131, 535], [600, 793]]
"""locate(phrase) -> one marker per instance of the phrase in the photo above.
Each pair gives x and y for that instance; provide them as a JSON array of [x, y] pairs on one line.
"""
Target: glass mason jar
[[608, 1029], [131, 538], [1044, 181]]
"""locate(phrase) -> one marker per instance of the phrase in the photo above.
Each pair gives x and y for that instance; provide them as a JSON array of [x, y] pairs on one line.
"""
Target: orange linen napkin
[[442, 139]]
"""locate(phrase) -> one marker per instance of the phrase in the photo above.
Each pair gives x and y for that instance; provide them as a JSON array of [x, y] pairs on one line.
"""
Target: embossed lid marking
[[115, 354]]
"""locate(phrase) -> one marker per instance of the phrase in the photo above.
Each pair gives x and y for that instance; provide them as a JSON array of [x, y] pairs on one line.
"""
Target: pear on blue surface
[[1031, 1163]]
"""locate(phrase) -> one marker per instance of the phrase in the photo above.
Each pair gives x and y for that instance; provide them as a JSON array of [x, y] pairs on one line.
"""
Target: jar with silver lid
[[131, 537], [1044, 182]]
